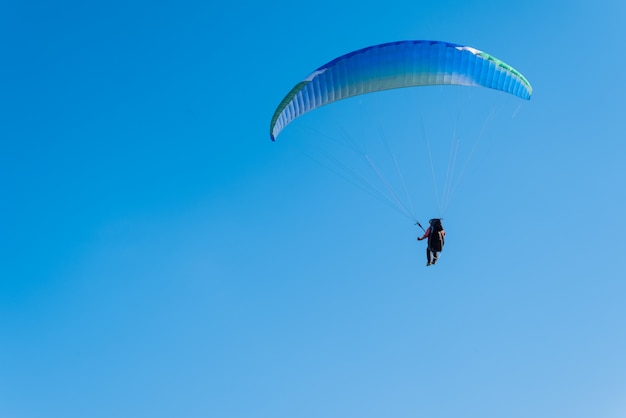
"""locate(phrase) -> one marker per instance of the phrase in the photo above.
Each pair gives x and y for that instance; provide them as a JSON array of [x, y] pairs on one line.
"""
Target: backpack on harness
[[436, 236]]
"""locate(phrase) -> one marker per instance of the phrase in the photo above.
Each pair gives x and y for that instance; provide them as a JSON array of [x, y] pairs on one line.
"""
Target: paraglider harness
[[435, 238]]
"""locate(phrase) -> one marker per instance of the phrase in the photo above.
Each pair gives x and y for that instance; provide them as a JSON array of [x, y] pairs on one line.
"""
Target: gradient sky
[[161, 257]]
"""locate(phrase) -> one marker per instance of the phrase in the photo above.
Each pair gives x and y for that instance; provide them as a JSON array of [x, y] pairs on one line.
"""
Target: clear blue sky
[[161, 257]]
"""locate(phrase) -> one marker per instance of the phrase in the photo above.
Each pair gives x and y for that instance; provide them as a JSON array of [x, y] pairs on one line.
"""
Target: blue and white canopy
[[395, 65]]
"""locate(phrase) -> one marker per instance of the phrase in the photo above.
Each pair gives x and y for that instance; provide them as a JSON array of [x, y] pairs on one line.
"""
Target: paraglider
[[395, 65], [436, 238]]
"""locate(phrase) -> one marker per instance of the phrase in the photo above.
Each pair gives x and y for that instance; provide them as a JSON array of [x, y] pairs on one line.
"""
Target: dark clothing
[[436, 239], [431, 256]]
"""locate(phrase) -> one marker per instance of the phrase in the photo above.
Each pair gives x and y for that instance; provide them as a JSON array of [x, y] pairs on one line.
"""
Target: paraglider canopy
[[396, 65]]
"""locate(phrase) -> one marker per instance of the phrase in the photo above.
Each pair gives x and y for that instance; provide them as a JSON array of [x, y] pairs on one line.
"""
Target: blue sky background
[[161, 257]]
